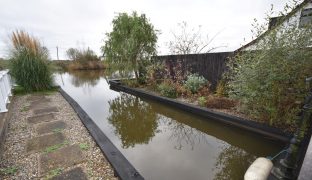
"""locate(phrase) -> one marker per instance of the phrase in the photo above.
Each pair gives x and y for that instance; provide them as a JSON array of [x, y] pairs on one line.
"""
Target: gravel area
[[16, 163]]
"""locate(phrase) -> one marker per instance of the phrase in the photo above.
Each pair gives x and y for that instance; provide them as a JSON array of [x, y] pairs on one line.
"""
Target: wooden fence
[[209, 65]]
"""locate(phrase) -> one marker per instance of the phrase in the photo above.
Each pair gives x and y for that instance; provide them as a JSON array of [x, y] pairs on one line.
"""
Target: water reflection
[[182, 135], [228, 161], [134, 120], [86, 78], [163, 142]]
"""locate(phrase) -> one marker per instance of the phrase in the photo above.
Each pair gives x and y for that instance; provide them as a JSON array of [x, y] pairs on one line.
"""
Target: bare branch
[[189, 41]]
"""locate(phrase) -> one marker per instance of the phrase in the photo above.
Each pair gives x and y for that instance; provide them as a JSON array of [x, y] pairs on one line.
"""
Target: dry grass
[[21, 39], [29, 62], [220, 102], [90, 65]]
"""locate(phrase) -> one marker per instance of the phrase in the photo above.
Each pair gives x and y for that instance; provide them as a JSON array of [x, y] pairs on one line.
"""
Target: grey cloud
[[72, 23]]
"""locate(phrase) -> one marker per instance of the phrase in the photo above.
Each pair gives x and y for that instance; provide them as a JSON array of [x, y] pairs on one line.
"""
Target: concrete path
[[52, 141]]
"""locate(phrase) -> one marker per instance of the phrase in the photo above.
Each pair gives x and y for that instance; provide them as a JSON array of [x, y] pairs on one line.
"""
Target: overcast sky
[[83, 23]]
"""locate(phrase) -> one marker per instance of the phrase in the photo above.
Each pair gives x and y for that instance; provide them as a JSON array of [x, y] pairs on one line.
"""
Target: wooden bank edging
[[122, 167], [242, 123]]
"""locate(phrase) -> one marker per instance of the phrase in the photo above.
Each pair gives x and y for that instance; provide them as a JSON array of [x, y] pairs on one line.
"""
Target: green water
[[163, 142]]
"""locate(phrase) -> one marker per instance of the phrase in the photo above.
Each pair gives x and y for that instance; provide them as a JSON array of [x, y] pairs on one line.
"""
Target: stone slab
[[42, 103], [74, 174], [48, 127], [33, 98], [45, 110], [61, 158], [41, 118], [42, 142]]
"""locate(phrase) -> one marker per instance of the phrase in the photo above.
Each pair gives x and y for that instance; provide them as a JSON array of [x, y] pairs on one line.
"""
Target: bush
[[194, 82], [271, 80], [167, 89], [155, 72], [202, 101], [220, 102], [182, 90], [82, 56], [221, 90], [204, 90], [29, 62]]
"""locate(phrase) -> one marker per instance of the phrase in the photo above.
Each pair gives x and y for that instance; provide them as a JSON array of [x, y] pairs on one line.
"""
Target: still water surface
[[160, 141]]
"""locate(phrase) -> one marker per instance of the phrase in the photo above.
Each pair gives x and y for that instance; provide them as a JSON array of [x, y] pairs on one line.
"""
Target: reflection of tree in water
[[182, 134], [135, 120], [86, 78], [232, 163]]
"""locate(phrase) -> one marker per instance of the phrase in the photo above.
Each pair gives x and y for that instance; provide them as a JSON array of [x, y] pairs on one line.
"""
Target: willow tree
[[130, 45]]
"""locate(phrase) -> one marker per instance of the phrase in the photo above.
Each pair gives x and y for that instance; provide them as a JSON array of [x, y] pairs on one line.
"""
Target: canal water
[[160, 141]]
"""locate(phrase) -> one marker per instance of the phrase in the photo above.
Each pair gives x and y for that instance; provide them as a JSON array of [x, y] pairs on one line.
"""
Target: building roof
[[274, 22]]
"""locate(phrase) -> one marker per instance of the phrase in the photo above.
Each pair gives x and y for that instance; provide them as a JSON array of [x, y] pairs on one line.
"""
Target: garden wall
[[209, 65]]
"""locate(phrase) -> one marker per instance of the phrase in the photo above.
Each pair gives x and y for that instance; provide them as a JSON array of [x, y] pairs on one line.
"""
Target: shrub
[[29, 62], [204, 90], [221, 89], [131, 83], [82, 56], [194, 82], [202, 101], [156, 72], [167, 89], [182, 90], [220, 102], [270, 80]]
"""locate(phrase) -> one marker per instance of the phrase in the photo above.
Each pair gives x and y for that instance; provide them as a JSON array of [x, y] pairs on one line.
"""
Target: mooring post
[[286, 166]]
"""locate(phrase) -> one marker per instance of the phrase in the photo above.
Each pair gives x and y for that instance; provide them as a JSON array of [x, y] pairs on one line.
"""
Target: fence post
[[5, 90], [8, 84], [3, 96]]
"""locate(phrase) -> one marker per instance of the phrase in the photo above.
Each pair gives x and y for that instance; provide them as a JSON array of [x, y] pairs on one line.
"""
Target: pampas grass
[[29, 62]]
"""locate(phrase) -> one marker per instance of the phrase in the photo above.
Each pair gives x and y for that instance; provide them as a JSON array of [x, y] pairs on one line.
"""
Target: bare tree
[[189, 41]]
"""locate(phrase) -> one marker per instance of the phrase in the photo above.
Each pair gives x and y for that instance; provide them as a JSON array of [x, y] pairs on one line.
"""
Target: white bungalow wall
[[293, 20]]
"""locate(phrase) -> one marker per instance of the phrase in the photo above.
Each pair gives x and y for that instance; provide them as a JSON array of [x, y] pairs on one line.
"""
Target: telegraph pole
[[57, 53]]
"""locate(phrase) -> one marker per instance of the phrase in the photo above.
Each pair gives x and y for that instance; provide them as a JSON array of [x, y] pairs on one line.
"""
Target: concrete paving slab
[[61, 158], [43, 103], [42, 142], [33, 98], [74, 174], [48, 127], [45, 110], [41, 118]]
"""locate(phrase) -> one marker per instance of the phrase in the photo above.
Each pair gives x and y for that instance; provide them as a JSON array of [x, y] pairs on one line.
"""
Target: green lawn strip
[[19, 90]]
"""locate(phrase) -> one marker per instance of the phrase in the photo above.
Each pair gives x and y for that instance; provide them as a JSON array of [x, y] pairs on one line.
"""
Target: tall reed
[[29, 62]]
